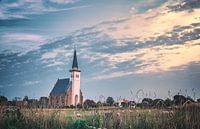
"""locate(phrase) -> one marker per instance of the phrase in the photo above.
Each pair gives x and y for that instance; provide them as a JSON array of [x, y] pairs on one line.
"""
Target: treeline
[[24, 103], [178, 100]]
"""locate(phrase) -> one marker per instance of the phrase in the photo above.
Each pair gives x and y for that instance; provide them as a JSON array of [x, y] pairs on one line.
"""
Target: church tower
[[75, 80]]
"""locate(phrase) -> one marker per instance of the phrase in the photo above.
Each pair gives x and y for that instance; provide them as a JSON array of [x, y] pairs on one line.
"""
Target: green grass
[[182, 118]]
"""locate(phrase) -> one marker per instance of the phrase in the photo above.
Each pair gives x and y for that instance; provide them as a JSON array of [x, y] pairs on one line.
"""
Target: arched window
[[76, 99]]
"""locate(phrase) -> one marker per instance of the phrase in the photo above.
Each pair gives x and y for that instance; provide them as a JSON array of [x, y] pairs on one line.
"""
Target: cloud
[[12, 37], [24, 8], [63, 1], [21, 8], [153, 23], [113, 75], [141, 6], [156, 41], [167, 58], [5, 16], [56, 57], [49, 55], [183, 5], [21, 42], [66, 9], [162, 47], [30, 83], [171, 50], [53, 54], [55, 63], [155, 59]]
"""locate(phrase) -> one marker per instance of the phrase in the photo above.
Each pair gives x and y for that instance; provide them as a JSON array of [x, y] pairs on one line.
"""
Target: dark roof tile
[[61, 86]]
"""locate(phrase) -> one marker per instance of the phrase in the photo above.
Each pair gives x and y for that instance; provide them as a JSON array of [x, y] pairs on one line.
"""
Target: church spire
[[75, 62]]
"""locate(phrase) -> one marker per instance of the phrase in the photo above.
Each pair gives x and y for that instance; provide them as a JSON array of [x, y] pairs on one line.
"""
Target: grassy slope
[[183, 118]]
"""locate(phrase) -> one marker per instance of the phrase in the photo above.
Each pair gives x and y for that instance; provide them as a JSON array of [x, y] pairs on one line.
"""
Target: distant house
[[123, 103], [21, 104], [33, 103], [6, 104], [43, 102], [127, 103], [67, 92]]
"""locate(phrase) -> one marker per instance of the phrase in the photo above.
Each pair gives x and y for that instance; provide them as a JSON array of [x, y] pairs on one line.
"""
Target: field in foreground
[[181, 118]]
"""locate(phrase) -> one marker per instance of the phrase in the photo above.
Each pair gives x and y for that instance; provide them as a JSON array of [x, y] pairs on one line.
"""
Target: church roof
[[75, 62], [61, 86]]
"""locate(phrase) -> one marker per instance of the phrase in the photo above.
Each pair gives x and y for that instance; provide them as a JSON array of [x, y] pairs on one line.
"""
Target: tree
[[198, 100], [110, 101], [179, 99], [89, 103], [168, 102], [147, 101], [25, 98], [79, 106], [190, 99], [158, 103], [3, 99], [99, 104]]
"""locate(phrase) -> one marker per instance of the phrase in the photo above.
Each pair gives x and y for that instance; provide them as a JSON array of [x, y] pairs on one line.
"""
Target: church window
[[63, 100], [77, 75], [57, 101]]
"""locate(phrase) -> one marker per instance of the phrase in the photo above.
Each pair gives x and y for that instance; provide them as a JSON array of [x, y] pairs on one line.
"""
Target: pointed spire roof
[[75, 61]]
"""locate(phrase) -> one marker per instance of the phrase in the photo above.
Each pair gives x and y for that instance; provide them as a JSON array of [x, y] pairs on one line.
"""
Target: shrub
[[80, 124]]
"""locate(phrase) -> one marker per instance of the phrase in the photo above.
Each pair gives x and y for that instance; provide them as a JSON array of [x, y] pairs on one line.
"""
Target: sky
[[126, 48]]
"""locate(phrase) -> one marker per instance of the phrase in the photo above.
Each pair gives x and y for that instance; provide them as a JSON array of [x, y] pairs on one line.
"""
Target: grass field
[[180, 118]]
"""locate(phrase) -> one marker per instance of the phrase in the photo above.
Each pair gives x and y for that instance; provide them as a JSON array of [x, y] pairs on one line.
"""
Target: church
[[67, 92]]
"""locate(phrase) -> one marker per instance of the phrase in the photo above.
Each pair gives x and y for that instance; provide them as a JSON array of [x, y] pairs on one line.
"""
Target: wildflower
[[78, 115], [118, 114], [165, 112]]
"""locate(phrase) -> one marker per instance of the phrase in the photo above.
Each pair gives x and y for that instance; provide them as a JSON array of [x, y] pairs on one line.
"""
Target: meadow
[[186, 117]]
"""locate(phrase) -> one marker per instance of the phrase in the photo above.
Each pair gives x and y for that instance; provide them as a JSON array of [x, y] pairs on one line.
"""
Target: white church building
[[67, 92]]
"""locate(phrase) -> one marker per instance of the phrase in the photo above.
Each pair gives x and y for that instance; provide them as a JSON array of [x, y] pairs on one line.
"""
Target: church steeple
[[75, 81], [75, 62]]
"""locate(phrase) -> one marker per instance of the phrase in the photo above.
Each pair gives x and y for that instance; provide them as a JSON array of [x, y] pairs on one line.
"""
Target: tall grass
[[187, 117]]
